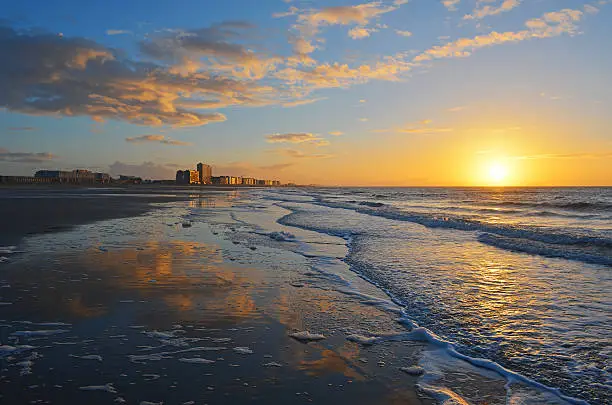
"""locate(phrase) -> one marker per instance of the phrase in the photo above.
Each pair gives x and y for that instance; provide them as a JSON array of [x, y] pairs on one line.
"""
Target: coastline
[[237, 307]]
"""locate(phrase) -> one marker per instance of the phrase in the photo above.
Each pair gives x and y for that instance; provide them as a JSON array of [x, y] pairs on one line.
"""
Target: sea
[[518, 280], [509, 288]]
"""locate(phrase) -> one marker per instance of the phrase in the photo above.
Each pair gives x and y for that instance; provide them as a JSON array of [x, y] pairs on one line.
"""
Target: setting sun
[[498, 172]]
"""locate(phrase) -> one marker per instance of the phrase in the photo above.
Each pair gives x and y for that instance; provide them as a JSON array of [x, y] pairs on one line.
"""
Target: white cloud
[[403, 33], [156, 138]]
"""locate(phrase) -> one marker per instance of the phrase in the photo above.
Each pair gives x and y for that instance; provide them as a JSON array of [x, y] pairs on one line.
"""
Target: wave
[[372, 204], [555, 237], [527, 246], [576, 206]]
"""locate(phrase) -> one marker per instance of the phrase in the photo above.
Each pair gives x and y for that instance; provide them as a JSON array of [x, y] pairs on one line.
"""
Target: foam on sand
[[243, 350], [32, 333], [364, 340], [88, 357], [196, 360], [305, 336], [414, 370], [281, 236], [6, 350], [106, 387]]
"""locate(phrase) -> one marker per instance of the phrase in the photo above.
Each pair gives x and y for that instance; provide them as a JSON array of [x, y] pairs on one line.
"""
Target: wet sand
[[34, 210]]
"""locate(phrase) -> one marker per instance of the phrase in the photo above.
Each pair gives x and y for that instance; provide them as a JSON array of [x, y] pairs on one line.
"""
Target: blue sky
[[426, 91]]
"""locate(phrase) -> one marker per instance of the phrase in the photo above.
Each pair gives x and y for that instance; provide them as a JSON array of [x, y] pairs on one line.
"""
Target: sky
[[334, 92]]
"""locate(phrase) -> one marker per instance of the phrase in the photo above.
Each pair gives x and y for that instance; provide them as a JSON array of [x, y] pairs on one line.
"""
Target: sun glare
[[498, 172]]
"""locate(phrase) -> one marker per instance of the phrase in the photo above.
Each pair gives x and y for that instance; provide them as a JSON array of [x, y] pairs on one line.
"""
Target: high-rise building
[[187, 177], [205, 173]]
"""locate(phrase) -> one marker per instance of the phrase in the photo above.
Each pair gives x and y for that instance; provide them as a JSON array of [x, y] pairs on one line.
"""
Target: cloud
[[359, 14], [451, 5], [361, 32], [456, 109], [156, 138], [310, 21], [44, 73], [403, 33], [146, 170], [422, 127], [549, 25], [424, 131], [333, 75], [297, 103], [16, 129], [336, 133], [486, 10], [292, 153], [217, 48], [118, 32], [299, 137], [25, 157], [277, 167]]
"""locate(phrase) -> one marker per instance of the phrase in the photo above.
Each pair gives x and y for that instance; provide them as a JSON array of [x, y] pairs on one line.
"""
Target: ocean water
[[521, 277]]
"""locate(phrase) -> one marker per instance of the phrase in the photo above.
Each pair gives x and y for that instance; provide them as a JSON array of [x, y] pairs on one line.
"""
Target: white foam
[[162, 335], [305, 336], [414, 370], [31, 333], [134, 358], [7, 249], [423, 334], [196, 360], [364, 340], [88, 357], [6, 350], [281, 236], [272, 364], [243, 350], [106, 387]]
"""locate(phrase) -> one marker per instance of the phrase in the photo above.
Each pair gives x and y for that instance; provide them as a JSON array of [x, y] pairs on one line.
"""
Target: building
[[248, 181], [205, 173], [27, 180], [187, 177], [77, 176], [129, 179]]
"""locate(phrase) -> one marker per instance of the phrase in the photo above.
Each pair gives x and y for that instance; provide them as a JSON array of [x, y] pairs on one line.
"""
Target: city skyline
[[337, 92]]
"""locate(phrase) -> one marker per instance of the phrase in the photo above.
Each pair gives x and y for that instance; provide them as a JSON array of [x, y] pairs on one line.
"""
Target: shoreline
[[186, 284]]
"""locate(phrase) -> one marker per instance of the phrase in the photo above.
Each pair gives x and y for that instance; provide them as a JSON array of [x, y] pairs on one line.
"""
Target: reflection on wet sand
[[180, 311], [342, 361], [186, 276]]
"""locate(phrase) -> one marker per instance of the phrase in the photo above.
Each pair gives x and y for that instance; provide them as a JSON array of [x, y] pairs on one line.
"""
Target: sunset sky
[[334, 92]]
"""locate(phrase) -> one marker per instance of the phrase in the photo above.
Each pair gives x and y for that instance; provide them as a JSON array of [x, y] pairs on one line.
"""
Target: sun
[[497, 172]]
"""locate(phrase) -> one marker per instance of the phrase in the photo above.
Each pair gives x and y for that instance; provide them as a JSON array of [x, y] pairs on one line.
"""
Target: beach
[[218, 296]]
